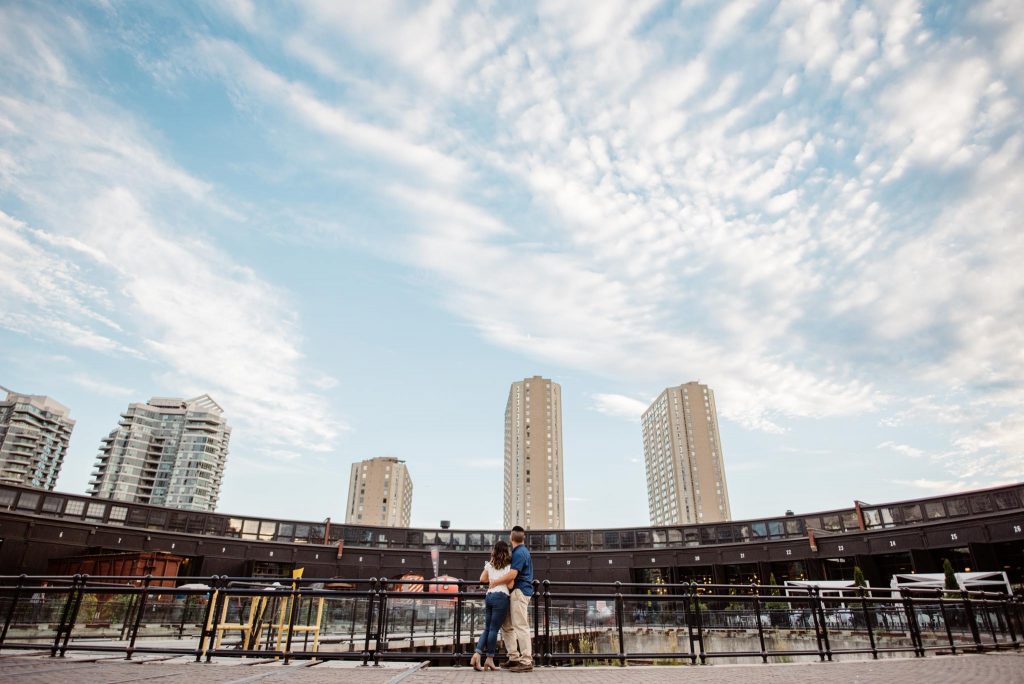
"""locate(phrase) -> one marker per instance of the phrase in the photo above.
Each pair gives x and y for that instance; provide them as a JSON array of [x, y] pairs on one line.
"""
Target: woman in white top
[[499, 576]]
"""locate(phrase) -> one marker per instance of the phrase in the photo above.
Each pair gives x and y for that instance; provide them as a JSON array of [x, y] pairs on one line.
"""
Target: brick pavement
[[995, 668]]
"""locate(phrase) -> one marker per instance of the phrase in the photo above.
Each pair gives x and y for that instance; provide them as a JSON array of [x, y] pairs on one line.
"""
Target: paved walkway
[[994, 668]]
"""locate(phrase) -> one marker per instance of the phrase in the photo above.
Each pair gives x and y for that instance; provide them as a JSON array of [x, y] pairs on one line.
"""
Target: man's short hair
[[518, 535]]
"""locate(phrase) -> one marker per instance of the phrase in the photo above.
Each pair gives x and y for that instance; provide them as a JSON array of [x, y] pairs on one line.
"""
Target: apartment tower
[[379, 493], [34, 435], [534, 488], [683, 456], [166, 452]]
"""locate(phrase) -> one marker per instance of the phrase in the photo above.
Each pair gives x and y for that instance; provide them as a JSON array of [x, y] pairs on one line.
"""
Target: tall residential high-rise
[[34, 435], [379, 493], [534, 488], [683, 456], [166, 452]]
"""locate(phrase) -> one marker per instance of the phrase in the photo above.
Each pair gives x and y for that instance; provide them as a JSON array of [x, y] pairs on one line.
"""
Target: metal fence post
[[370, 599], [945, 620], [698, 618], [10, 612], [912, 626], [1007, 605], [218, 608], [412, 626], [73, 616], [293, 612], [619, 607], [867, 621], [757, 616], [65, 611], [817, 619], [988, 620], [547, 623], [382, 622], [138, 617], [535, 636], [688, 617], [205, 633], [457, 627], [352, 624], [969, 616]]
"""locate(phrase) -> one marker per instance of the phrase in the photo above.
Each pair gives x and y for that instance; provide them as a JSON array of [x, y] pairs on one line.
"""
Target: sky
[[355, 224]]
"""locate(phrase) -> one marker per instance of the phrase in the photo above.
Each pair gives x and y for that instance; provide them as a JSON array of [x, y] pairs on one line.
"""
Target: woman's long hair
[[501, 555]]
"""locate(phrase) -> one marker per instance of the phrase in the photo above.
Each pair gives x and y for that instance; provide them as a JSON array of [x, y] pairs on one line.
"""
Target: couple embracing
[[509, 579]]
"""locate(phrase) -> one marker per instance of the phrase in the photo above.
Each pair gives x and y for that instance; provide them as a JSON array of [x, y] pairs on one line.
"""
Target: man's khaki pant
[[515, 632]]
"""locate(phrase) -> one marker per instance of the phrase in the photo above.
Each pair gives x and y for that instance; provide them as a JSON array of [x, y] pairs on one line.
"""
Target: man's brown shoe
[[521, 667], [508, 664]]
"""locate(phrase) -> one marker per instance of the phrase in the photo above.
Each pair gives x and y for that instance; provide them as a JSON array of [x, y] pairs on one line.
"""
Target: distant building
[[167, 452], [683, 457], [34, 435], [534, 485], [379, 493]]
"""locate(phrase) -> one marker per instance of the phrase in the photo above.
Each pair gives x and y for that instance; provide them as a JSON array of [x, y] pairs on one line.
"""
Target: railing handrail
[[983, 620]]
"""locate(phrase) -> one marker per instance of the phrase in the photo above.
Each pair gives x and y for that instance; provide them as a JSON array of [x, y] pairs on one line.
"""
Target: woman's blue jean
[[495, 610]]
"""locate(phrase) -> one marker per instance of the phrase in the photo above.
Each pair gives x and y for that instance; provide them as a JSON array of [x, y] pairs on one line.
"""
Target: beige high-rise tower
[[534, 489], [683, 456], [379, 493]]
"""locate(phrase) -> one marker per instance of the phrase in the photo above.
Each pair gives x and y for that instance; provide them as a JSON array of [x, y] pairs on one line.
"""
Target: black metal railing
[[573, 622]]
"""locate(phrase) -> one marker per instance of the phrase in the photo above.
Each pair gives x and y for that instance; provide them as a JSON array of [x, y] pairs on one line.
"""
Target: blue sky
[[354, 224]]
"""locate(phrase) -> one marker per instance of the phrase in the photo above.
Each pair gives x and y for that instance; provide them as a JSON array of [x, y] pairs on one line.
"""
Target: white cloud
[[810, 31], [830, 230], [903, 449], [933, 112], [43, 294], [114, 267], [332, 120], [619, 406], [215, 324], [101, 387], [940, 486], [725, 25]]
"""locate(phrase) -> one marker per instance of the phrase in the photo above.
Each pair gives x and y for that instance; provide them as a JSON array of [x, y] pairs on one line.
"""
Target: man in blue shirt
[[515, 633]]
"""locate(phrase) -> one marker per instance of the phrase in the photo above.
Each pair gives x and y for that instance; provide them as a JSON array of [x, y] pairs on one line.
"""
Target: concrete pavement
[[993, 668]]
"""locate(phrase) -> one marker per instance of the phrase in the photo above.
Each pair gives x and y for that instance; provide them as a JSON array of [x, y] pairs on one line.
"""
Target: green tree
[[858, 577], [952, 588], [773, 607]]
